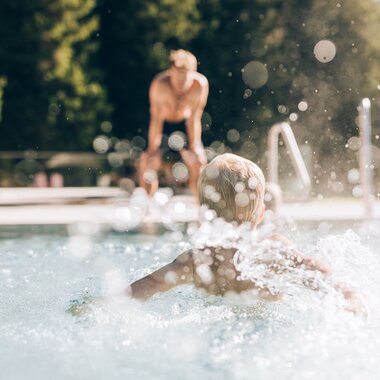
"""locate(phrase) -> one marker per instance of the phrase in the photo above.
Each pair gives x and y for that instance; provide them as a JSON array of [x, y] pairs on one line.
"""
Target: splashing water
[[182, 334], [268, 263]]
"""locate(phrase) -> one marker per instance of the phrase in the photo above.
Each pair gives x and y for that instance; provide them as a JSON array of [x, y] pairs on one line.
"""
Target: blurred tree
[[232, 35], [330, 77], [3, 82], [276, 39], [53, 98]]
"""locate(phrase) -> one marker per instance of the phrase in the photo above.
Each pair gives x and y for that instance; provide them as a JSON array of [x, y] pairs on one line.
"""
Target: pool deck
[[27, 206]]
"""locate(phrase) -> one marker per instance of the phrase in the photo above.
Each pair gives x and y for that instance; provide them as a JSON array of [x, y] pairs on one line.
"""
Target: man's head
[[182, 64], [234, 188]]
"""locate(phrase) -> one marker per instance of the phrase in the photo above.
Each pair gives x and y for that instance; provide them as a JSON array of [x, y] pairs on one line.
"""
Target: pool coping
[[105, 211]]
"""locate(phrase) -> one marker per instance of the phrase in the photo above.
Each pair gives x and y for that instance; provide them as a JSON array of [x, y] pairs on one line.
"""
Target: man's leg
[[149, 165], [194, 163]]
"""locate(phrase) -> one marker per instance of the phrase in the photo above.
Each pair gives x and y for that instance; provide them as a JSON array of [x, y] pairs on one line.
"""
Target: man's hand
[[194, 158], [151, 159]]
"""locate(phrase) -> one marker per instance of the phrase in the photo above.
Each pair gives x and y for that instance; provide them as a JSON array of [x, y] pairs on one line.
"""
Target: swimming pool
[[180, 334]]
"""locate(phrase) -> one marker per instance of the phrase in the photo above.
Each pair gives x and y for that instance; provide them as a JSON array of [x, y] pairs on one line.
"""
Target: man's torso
[[177, 107]]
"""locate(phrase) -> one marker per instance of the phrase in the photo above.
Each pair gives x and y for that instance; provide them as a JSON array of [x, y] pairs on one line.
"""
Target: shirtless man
[[177, 98]]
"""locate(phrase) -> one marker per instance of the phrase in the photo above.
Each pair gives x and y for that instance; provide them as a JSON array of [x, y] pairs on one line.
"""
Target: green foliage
[[53, 99]]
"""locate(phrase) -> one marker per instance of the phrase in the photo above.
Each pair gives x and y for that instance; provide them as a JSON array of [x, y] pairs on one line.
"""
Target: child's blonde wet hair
[[234, 188], [183, 59]]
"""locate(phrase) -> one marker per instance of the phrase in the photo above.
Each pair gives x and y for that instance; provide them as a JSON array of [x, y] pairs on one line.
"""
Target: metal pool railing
[[365, 155], [293, 150]]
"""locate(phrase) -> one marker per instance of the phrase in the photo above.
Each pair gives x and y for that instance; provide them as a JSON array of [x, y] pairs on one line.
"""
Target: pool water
[[181, 334]]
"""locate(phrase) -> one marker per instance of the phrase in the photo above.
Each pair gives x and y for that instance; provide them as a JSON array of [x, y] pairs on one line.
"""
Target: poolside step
[[21, 196], [52, 206]]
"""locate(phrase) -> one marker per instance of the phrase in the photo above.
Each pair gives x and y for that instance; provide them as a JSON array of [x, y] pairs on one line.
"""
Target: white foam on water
[[181, 334]]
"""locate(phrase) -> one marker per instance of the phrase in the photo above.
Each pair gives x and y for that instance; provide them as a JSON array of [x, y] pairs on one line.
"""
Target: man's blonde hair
[[183, 59], [233, 187]]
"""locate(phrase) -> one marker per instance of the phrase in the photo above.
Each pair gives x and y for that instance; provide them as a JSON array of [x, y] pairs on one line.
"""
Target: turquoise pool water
[[180, 334]]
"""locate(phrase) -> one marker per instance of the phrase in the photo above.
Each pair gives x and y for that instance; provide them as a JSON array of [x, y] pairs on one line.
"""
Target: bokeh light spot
[[233, 135], [150, 176], [353, 176], [247, 93], [354, 143], [324, 51], [255, 74], [239, 187], [206, 121], [106, 126], [241, 199], [101, 144], [357, 191], [179, 208], [176, 141], [180, 171], [302, 105]]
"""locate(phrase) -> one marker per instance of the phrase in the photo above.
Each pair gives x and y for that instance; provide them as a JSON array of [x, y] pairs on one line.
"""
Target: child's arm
[[355, 304], [179, 272], [299, 259]]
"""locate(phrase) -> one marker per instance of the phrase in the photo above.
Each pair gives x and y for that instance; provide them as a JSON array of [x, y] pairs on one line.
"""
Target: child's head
[[234, 188]]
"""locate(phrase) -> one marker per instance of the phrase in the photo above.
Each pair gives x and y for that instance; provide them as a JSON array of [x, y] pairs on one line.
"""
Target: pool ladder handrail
[[365, 156], [293, 150]]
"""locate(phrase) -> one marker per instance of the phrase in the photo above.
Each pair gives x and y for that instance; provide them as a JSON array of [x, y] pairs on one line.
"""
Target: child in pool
[[239, 186]]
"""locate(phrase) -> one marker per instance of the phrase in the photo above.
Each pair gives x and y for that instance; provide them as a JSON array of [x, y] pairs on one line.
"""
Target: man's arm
[[194, 124], [179, 272], [156, 119]]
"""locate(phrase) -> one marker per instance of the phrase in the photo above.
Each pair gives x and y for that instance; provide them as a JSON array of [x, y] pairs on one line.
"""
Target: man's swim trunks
[[174, 138]]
